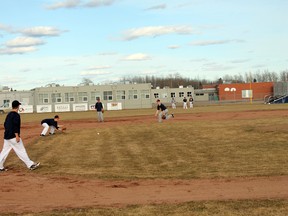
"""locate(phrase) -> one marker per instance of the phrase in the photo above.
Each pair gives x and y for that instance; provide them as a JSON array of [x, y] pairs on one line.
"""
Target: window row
[[172, 95], [84, 97]]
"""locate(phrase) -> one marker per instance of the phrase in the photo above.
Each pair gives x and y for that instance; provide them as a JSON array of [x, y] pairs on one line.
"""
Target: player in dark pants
[[162, 112], [12, 139]]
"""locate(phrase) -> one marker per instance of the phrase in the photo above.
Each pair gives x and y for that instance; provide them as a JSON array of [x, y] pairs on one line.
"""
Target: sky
[[66, 41]]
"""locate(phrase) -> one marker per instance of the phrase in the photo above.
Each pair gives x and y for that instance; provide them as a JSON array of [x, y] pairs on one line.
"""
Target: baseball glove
[[63, 129], [163, 116], [103, 111]]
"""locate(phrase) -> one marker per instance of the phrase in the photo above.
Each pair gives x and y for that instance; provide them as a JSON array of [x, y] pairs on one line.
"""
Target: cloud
[[153, 31], [239, 61], [6, 28], [99, 3], [199, 60], [36, 31], [215, 67], [107, 53], [137, 57], [64, 4], [25, 70], [174, 47], [99, 67], [10, 79], [70, 4], [214, 42], [185, 5], [259, 66], [94, 73], [209, 42], [27, 42], [149, 72], [157, 7], [40, 31], [24, 42], [17, 50]]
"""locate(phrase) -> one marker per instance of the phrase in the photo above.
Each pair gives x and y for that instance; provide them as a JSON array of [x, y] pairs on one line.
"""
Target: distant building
[[55, 98], [166, 94], [245, 91]]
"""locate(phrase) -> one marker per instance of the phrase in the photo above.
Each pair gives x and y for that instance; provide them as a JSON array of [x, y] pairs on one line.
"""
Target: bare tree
[[86, 82], [283, 76]]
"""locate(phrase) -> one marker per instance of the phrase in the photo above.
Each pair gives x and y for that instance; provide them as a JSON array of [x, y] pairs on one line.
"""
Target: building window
[[82, 96], [189, 94], [120, 95], [69, 97], [56, 98], [145, 94], [173, 94], [44, 98], [181, 94], [247, 93], [164, 95], [107, 95], [6, 103], [133, 94], [95, 95], [200, 94], [156, 95]]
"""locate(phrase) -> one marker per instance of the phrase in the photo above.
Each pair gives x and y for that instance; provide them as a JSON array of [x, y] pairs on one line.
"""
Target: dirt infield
[[22, 191], [33, 193]]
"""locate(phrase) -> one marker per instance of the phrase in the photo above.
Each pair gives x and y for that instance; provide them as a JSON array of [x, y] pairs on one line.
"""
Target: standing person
[[184, 103], [51, 123], [12, 139], [173, 103], [100, 110], [191, 102], [162, 112]]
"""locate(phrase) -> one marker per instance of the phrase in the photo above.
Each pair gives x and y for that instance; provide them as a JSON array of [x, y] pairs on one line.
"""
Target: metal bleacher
[[276, 99]]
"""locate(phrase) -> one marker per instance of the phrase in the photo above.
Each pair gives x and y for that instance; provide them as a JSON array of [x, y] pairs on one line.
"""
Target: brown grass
[[178, 150], [228, 208], [185, 149]]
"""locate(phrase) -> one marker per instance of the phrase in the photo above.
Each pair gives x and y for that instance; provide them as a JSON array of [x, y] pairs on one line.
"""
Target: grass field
[[228, 208], [199, 148]]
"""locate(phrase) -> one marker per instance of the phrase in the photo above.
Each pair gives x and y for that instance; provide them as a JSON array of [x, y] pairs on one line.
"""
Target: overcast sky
[[46, 41]]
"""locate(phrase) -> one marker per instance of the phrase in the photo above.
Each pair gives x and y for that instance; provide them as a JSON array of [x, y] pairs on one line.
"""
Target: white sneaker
[[34, 166], [3, 170]]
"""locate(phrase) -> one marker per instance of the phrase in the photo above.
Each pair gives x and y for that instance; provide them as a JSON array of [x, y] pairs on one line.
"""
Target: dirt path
[[25, 191]]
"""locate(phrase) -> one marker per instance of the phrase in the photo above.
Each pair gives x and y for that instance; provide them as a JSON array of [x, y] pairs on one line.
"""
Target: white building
[[55, 98]]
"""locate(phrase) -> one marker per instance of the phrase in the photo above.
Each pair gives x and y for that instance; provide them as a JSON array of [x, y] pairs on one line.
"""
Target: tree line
[[176, 80]]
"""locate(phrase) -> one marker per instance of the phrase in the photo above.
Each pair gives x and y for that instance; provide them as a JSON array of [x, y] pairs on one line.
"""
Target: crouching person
[[51, 123], [162, 112]]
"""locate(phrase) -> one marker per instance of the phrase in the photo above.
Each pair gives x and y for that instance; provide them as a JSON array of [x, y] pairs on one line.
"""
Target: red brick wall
[[234, 91]]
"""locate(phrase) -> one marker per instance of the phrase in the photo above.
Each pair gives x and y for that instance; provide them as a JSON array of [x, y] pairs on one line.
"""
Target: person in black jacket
[[51, 123], [100, 110], [184, 103], [12, 139], [162, 112]]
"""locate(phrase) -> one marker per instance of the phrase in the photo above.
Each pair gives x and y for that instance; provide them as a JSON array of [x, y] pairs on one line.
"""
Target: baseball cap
[[15, 104]]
